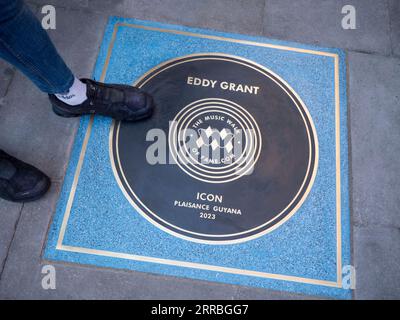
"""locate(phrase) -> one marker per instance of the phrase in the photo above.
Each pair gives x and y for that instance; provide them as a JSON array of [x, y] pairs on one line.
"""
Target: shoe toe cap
[[140, 106], [29, 184], [135, 100], [35, 192]]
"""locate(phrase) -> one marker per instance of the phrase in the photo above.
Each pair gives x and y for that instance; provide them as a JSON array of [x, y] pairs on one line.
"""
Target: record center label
[[230, 154]]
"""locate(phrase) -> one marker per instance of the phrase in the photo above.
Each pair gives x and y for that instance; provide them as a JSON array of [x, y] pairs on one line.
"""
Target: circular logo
[[215, 140], [229, 155]]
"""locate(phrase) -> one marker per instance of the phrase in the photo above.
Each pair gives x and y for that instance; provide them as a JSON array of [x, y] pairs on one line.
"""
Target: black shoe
[[121, 102], [19, 181]]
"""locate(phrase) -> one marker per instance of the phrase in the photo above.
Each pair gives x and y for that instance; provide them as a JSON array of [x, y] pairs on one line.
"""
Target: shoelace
[[100, 94], [93, 94]]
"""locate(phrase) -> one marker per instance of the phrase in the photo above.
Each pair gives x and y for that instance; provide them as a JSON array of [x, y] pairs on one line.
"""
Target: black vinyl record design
[[230, 154]]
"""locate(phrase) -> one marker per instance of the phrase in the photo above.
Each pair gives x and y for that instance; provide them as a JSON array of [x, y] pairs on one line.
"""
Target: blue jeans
[[25, 44]]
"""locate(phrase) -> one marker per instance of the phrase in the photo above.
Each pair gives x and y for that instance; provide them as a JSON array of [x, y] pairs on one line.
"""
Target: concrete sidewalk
[[45, 140]]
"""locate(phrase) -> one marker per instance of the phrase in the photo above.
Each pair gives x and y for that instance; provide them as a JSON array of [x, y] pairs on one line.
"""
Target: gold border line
[[338, 177], [83, 150], [220, 38], [200, 266], [66, 216]]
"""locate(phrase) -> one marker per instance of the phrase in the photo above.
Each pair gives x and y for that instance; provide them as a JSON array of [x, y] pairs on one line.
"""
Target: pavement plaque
[[240, 176]]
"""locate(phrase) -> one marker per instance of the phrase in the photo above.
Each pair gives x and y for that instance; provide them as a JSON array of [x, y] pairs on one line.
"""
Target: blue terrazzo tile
[[102, 219]]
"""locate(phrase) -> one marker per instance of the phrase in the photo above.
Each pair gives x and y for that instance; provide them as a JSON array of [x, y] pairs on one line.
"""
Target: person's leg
[[25, 44], [20, 181]]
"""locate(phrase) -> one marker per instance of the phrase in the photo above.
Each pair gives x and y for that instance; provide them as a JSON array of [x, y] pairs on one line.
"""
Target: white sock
[[75, 95]]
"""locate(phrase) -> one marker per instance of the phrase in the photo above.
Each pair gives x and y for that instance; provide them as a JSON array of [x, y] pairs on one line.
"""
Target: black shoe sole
[[64, 114], [148, 113]]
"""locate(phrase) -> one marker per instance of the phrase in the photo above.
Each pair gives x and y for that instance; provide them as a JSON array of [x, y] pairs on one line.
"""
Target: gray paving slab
[[111, 7], [394, 13], [242, 16], [309, 21], [9, 215], [319, 22], [248, 293], [77, 4], [377, 258], [374, 100]]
